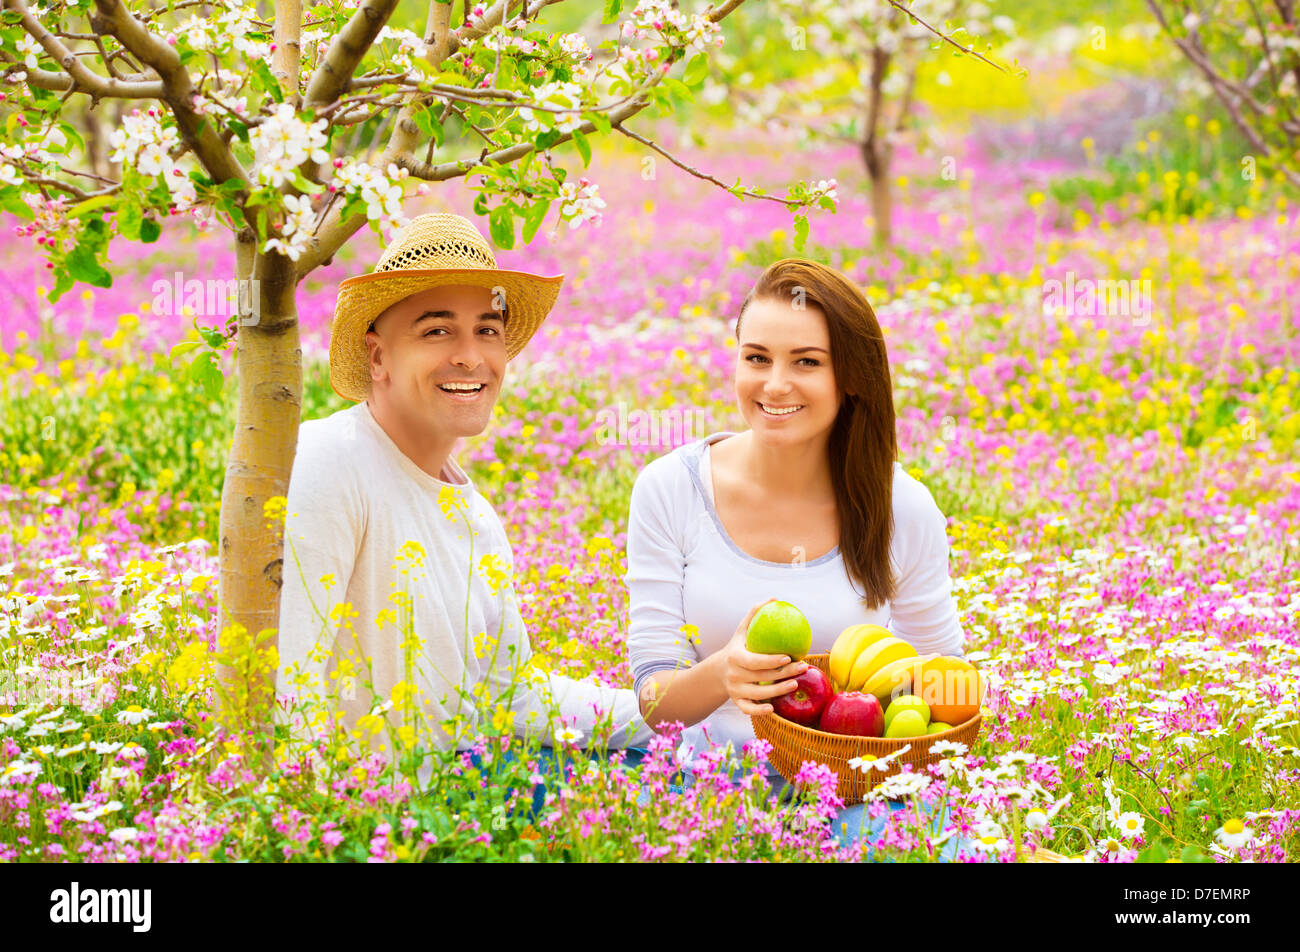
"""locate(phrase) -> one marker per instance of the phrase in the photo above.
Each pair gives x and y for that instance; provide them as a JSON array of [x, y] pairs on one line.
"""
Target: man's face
[[426, 349]]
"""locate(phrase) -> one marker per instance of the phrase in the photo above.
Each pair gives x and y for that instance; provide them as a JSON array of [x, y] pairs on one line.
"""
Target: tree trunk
[[877, 162], [876, 148], [269, 369]]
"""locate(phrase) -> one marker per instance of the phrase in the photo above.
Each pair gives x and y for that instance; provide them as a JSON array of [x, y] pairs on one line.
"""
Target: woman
[[808, 505]]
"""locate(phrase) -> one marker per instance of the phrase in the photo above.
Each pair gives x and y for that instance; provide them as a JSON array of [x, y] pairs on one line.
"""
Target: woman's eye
[[756, 357], [812, 361]]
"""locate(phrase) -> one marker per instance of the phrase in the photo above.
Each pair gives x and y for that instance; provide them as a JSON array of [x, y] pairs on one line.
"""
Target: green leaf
[[600, 121], [268, 83], [426, 120], [534, 217], [62, 283], [12, 16], [83, 266], [1192, 854], [696, 70], [800, 232], [612, 9], [678, 88], [149, 230], [546, 139], [450, 79], [12, 202], [89, 205], [1155, 853], [183, 348], [239, 129], [205, 371], [128, 220], [502, 225], [584, 147]]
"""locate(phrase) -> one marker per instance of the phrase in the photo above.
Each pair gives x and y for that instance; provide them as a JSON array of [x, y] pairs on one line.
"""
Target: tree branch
[[199, 134], [698, 174], [332, 75], [78, 77], [403, 142], [288, 46]]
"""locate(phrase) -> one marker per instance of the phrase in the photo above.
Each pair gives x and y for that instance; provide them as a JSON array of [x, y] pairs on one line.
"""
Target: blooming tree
[[258, 126], [1249, 53], [854, 77]]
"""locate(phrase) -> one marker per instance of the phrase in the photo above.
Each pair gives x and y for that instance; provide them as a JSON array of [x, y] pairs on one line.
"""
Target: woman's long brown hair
[[863, 445]]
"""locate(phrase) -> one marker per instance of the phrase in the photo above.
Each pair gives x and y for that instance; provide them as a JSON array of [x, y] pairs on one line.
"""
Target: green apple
[[779, 628], [938, 727], [908, 723], [907, 702]]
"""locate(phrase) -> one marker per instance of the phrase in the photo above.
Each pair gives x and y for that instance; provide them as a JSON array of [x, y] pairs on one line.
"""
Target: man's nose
[[467, 356]]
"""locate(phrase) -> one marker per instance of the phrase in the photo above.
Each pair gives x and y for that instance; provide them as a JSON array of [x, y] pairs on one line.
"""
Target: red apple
[[805, 703], [854, 713]]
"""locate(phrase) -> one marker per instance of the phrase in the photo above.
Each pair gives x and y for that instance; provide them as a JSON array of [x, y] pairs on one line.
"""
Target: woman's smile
[[778, 411]]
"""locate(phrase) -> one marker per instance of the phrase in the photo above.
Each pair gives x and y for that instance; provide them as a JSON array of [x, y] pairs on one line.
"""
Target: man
[[382, 519]]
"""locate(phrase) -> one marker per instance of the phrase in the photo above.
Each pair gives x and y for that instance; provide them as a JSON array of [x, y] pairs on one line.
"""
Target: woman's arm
[[672, 682], [734, 673], [924, 612]]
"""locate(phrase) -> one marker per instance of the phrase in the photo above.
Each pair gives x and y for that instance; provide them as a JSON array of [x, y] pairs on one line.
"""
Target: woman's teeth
[[779, 411]]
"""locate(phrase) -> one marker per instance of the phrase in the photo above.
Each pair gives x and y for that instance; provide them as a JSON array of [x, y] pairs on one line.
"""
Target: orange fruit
[[951, 687]]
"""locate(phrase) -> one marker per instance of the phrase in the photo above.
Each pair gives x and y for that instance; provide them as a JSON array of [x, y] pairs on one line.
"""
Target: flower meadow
[[1121, 486]]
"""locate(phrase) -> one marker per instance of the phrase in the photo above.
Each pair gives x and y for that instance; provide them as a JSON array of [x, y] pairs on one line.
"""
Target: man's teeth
[[468, 387], [780, 412]]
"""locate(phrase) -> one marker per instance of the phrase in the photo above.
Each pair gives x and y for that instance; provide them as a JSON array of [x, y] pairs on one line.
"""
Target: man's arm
[[324, 523]]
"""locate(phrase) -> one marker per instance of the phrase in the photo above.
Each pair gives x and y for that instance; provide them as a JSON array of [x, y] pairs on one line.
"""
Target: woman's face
[[785, 387]]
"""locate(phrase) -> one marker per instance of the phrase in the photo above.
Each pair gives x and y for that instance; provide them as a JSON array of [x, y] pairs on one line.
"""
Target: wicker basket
[[792, 744]]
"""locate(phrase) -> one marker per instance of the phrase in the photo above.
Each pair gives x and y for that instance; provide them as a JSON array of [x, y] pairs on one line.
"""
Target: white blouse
[[683, 569]]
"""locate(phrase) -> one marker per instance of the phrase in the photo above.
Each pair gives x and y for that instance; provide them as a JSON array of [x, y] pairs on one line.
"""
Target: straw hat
[[432, 251]]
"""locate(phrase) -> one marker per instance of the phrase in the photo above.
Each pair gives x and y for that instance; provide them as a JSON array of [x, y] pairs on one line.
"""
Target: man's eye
[[496, 331], [432, 330]]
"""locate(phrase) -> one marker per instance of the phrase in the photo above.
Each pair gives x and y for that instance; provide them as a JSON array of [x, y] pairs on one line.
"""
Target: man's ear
[[375, 352]]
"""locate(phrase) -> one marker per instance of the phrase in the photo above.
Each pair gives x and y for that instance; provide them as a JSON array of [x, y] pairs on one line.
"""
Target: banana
[[895, 675], [875, 657], [851, 643]]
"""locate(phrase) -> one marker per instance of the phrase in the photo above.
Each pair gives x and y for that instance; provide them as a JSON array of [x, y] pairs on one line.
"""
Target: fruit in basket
[[851, 643], [952, 687], [874, 658], [805, 704], [907, 723], [938, 727], [908, 702], [892, 680], [779, 628], [853, 713]]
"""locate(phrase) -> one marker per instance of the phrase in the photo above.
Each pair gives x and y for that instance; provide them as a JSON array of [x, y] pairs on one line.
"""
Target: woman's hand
[[744, 673]]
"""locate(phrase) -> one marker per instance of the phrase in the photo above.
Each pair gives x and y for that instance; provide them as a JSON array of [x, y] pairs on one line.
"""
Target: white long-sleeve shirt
[[683, 569], [364, 515]]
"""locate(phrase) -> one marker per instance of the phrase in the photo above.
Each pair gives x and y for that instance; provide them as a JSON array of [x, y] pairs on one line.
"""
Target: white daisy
[[1233, 835], [1130, 824]]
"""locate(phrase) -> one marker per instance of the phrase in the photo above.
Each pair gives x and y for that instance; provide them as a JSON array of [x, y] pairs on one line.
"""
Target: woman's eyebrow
[[797, 350]]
